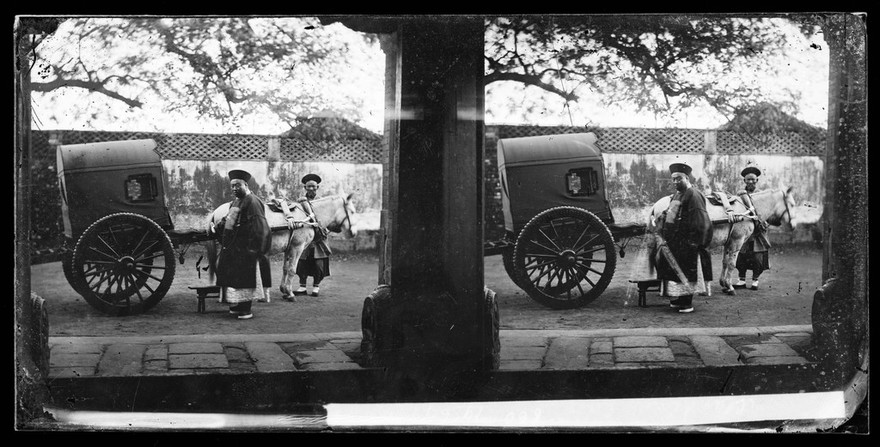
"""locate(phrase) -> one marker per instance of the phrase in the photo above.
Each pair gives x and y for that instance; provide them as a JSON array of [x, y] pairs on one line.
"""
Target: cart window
[[141, 188], [582, 182]]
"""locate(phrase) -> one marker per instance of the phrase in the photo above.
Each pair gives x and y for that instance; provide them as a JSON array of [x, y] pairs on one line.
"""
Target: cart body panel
[[542, 172], [100, 179]]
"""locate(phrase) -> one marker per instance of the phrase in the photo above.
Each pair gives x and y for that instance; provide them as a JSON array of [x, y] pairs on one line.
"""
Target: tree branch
[[92, 86], [529, 80]]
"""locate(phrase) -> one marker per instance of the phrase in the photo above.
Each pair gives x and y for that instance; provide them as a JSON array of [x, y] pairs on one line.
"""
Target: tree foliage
[[660, 64], [218, 68], [227, 68]]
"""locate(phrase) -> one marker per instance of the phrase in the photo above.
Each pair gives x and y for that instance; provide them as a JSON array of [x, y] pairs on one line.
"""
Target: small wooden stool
[[646, 285], [205, 292]]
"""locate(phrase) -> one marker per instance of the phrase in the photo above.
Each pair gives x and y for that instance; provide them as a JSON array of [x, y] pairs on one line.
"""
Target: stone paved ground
[[520, 350]]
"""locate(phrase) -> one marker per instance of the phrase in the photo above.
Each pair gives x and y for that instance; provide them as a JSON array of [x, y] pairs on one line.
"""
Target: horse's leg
[[291, 258], [728, 266]]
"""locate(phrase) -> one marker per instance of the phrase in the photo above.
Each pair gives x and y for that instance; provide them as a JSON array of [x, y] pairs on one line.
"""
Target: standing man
[[245, 237], [754, 253], [688, 232], [315, 260]]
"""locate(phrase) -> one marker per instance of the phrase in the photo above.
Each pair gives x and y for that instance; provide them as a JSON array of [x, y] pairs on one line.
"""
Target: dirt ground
[[785, 298]]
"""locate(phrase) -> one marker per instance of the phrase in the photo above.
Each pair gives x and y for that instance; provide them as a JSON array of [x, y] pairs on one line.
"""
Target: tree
[[661, 64], [287, 68], [225, 68]]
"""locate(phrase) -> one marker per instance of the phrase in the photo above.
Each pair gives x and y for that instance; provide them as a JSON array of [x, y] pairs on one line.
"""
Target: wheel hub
[[567, 258], [126, 263]]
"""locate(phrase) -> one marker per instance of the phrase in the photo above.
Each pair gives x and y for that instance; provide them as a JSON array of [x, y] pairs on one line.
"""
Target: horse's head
[[782, 211], [337, 214], [349, 226]]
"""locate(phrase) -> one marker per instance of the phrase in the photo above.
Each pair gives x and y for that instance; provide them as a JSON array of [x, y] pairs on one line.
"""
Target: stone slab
[[601, 360], [76, 348], [766, 350], [643, 354], [71, 371], [640, 341], [321, 356], [522, 340], [269, 357], [195, 348], [522, 352], [714, 351], [122, 359], [601, 347], [785, 360], [197, 361], [69, 359], [568, 353], [330, 366], [156, 352]]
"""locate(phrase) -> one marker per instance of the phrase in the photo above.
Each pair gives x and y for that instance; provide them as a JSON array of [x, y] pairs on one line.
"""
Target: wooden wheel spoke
[[109, 247], [150, 266], [102, 254], [136, 289], [147, 258], [112, 234], [146, 250], [534, 242], [586, 244], [138, 245], [98, 272], [553, 226], [578, 283], [141, 272], [581, 236], [592, 250], [594, 260], [541, 265], [548, 238]]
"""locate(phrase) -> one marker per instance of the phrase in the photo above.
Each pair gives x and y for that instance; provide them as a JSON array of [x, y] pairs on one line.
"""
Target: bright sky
[[806, 75]]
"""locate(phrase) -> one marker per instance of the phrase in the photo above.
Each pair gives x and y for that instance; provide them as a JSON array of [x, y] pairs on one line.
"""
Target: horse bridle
[[787, 210]]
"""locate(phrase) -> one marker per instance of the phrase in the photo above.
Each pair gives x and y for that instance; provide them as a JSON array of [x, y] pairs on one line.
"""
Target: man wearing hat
[[315, 259], [245, 237], [754, 253], [688, 232]]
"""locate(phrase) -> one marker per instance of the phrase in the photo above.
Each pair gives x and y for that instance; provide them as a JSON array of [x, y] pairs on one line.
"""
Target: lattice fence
[[630, 140], [189, 146]]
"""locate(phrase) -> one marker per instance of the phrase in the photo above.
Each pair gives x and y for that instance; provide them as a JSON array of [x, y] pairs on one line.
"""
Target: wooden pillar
[[840, 307], [31, 318], [431, 323]]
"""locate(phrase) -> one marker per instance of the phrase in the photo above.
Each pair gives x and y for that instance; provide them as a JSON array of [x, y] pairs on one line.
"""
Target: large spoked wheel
[[123, 264], [564, 257], [507, 258]]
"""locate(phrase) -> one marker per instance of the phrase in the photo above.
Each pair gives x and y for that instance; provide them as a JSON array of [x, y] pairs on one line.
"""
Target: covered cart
[[119, 250], [561, 240]]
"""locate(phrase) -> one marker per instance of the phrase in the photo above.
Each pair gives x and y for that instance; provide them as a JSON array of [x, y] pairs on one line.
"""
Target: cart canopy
[[542, 172], [99, 179]]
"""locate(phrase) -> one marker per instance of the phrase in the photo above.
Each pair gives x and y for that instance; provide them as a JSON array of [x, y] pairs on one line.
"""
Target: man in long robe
[[245, 237], [315, 259], [687, 230], [754, 253]]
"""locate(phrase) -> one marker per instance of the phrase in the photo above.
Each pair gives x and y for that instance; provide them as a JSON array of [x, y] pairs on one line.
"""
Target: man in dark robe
[[754, 253], [244, 238], [687, 230], [315, 260]]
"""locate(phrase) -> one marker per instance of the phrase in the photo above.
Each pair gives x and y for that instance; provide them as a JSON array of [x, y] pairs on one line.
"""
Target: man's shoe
[[679, 302], [754, 285], [681, 310], [740, 285], [299, 292], [315, 291], [246, 316]]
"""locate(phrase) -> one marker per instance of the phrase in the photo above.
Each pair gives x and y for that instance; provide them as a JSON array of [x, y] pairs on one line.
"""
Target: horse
[[336, 213], [773, 206]]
